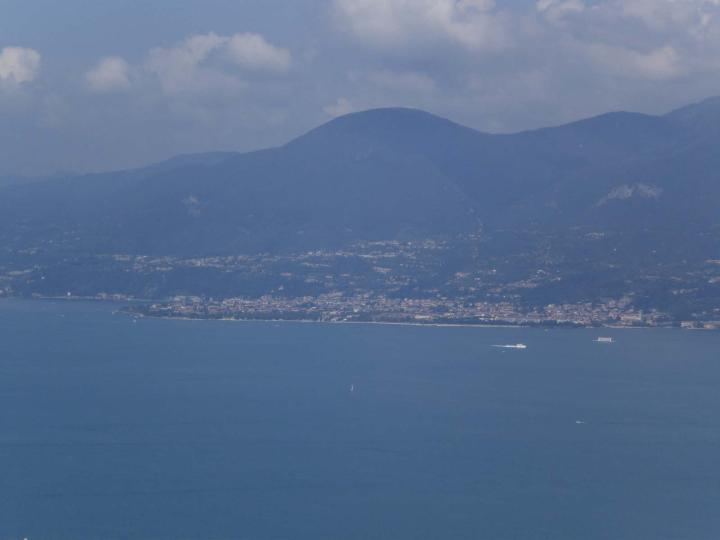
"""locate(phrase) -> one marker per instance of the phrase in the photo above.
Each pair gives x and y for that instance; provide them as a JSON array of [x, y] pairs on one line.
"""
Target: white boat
[[604, 340], [515, 346]]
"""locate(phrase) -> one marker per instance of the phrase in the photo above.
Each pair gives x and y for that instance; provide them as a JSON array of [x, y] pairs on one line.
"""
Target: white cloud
[[185, 56], [254, 52], [664, 14], [19, 64], [207, 63], [110, 74], [180, 69], [630, 39], [645, 23], [658, 64], [642, 39], [475, 24], [556, 10]]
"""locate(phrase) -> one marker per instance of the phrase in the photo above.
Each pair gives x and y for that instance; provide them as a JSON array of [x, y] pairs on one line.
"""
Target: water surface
[[111, 428]]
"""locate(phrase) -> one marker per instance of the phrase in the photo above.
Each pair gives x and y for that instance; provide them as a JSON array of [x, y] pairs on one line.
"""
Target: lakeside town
[[337, 307], [462, 280]]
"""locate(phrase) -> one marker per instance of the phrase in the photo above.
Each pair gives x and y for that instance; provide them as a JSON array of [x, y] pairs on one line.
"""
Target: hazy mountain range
[[388, 173], [622, 207]]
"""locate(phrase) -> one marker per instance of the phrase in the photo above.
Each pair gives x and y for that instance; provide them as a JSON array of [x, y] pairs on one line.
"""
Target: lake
[[111, 428]]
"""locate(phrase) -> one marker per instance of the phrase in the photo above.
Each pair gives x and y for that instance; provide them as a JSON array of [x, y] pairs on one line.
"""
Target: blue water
[[213, 430]]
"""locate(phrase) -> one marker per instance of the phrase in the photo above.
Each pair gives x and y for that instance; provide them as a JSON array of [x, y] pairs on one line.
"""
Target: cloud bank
[[497, 66]]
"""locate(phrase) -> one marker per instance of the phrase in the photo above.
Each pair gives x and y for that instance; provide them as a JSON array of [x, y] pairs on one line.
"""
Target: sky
[[92, 85]]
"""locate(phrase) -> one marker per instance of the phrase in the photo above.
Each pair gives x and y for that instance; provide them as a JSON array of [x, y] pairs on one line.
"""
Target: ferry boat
[[604, 340], [515, 346]]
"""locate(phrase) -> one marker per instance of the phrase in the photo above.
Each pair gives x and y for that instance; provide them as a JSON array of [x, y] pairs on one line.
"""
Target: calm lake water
[[111, 428]]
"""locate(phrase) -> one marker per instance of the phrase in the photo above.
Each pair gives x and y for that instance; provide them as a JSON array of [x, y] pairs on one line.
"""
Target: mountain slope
[[384, 174]]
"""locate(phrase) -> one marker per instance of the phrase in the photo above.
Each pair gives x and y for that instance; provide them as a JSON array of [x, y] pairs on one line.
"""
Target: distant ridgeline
[[397, 203]]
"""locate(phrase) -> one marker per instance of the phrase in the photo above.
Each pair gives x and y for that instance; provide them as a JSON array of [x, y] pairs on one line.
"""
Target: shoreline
[[312, 321], [390, 323], [548, 326]]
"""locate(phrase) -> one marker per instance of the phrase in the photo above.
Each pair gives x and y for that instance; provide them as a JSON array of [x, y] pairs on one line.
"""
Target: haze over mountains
[[385, 174]]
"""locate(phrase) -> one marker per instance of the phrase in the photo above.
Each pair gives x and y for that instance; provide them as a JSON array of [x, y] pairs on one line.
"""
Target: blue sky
[[100, 84]]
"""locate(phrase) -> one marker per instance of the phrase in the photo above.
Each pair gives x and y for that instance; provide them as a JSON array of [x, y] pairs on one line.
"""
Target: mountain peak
[[391, 125], [387, 114]]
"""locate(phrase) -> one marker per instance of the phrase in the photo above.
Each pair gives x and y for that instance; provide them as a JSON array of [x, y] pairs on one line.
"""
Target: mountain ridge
[[382, 174]]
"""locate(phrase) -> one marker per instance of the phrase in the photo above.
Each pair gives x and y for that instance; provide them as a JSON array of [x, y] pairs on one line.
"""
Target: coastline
[[548, 325], [313, 321], [407, 324], [558, 326]]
